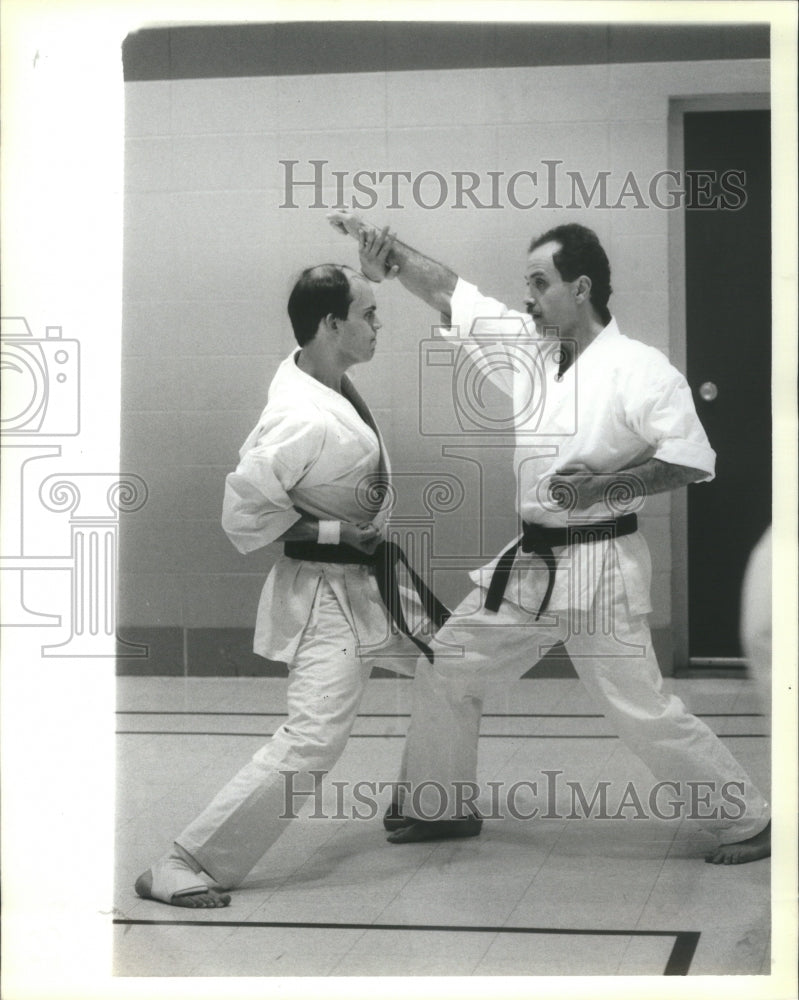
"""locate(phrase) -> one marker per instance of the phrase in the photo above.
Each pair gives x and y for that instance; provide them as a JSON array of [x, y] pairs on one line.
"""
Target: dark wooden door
[[728, 339]]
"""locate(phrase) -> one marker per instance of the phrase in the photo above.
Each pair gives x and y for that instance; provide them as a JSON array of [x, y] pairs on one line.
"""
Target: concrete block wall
[[210, 254]]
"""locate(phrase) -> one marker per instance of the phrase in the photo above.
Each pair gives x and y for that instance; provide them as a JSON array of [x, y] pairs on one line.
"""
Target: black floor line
[[678, 964], [407, 715], [401, 736], [682, 954]]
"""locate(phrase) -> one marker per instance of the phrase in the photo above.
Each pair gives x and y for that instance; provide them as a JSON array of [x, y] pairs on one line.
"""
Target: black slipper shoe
[[393, 818], [418, 830]]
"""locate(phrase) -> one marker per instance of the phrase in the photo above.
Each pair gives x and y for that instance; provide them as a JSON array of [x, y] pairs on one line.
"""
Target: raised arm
[[426, 278]]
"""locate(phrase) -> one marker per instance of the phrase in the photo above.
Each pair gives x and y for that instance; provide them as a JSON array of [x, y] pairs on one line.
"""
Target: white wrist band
[[329, 532]]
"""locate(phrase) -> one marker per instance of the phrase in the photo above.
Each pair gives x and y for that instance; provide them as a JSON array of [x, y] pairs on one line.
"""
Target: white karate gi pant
[[326, 683], [619, 669]]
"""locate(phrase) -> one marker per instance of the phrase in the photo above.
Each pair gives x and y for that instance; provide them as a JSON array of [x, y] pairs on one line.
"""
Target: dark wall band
[[286, 49]]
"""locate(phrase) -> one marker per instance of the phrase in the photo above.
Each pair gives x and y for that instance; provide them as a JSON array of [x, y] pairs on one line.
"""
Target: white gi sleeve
[[488, 330], [659, 408], [257, 508]]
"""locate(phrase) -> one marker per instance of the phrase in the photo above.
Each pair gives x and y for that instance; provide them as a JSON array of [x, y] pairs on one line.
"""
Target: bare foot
[[739, 853], [207, 898]]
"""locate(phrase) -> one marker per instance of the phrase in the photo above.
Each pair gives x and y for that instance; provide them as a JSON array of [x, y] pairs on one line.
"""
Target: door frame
[[683, 665]]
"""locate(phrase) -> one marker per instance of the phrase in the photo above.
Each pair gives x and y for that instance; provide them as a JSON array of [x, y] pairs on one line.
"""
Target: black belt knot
[[541, 540], [384, 563]]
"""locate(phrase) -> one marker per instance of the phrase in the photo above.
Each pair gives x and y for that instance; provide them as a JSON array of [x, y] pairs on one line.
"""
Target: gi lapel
[[378, 492]]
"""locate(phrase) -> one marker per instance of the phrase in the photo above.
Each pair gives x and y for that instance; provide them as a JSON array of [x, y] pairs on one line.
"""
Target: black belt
[[384, 562], [541, 541]]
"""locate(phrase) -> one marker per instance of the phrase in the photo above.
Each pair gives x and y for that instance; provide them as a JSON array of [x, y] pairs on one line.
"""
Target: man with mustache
[[580, 573]]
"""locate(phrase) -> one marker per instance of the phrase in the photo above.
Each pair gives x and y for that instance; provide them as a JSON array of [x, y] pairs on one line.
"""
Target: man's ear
[[331, 322], [582, 288]]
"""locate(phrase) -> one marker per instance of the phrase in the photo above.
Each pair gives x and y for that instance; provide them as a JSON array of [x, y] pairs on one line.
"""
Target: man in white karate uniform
[[614, 423], [314, 474]]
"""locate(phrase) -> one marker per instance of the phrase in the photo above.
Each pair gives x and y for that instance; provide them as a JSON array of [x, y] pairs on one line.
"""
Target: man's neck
[[585, 333], [320, 367], [576, 341]]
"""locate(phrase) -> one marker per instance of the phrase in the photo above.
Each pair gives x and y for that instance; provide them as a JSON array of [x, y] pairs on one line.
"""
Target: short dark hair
[[581, 253], [318, 292]]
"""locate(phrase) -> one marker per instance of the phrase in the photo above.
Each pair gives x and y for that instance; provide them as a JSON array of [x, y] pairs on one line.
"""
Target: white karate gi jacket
[[620, 404], [309, 450]]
